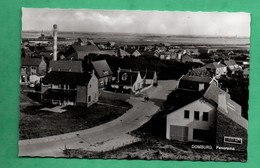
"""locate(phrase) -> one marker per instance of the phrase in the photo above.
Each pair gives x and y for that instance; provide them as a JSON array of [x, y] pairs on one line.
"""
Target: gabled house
[[127, 81], [183, 52], [213, 118], [69, 88], [149, 77], [193, 83], [66, 66], [232, 67], [79, 52], [216, 69], [122, 53], [32, 66], [136, 53], [165, 55], [186, 58], [103, 72]]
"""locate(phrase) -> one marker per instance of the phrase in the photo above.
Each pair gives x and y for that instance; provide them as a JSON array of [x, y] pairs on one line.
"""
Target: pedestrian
[[147, 98]]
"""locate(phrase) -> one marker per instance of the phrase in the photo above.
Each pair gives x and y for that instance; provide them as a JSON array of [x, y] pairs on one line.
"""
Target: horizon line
[[158, 34]]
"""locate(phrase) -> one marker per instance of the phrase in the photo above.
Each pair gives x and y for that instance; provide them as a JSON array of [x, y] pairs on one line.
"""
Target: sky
[[144, 22]]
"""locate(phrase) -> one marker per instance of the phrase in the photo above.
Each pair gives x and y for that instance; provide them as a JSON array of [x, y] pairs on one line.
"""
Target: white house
[[199, 120], [195, 118], [216, 69], [149, 77], [127, 81]]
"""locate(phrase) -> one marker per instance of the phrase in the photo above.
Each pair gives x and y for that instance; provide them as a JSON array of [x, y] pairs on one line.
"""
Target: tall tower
[[55, 31]]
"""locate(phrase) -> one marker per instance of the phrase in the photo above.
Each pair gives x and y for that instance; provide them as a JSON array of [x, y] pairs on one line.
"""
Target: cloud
[[153, 22]]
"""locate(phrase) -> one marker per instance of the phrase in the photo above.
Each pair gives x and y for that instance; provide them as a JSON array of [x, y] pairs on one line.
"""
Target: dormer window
[[106, 72]]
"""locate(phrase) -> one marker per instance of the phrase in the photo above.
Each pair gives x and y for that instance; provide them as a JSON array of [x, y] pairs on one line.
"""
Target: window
[[186, 114], [105, 72], [33, 67], [196, 115], [205, 116], [89, 98], [201, 86]]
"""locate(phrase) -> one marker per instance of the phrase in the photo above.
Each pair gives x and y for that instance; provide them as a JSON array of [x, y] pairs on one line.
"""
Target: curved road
[[106, 136]]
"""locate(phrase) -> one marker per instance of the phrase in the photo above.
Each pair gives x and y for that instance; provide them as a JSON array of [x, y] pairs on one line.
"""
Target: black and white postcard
[[150, 85]]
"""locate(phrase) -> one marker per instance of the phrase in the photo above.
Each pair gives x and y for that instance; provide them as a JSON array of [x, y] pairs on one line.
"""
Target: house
[[136, 53], [103, 72], [216, 69], [65, 66], [179, 54], [107, 52], [165, 55], [198, 61], [213, 118], [246, 73], [232, 67], [193, 83], [186, 58], [149, 77], [32, 66], [183, 52], [69, 88], [47, 55], [111, 44], [201, 71], [194, 51], [122, 53], [78, 52], [26, 52], [127, 81], [148, 53], [230, 127]]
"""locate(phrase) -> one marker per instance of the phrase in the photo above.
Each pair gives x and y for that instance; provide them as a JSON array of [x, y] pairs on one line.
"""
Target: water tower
[[55, 31]]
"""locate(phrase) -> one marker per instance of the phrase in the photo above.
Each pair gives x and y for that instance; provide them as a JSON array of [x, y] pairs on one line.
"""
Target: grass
[[35, 123], [154, 148]]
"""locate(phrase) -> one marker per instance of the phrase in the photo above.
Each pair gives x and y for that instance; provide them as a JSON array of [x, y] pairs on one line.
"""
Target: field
[[147, 39], [36, 123]]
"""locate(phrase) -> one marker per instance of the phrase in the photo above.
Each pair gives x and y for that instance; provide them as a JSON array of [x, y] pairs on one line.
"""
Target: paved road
[[114, 132]]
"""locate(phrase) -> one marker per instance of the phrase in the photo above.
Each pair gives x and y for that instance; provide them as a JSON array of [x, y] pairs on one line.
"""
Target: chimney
[[222, 102], [118, 71], [55, 27], [92, 72]]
